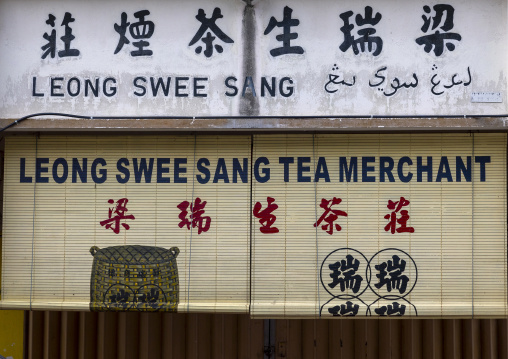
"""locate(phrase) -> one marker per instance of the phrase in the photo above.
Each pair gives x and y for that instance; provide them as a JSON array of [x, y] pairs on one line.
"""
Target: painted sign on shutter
[[118, 223], [379, 225], [303, 226]]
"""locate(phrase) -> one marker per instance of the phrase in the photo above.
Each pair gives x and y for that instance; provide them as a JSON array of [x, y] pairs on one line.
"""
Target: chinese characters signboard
[[302, 226], [189, 59]]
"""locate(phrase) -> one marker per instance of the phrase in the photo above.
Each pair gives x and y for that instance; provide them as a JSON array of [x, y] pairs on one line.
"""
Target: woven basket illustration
[[134, 278]]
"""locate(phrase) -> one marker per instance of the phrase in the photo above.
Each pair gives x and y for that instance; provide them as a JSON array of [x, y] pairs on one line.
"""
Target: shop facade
[[270, 159]]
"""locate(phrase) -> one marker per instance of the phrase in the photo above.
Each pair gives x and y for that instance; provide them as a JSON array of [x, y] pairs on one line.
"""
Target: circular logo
[[345, 273], [396, 274]]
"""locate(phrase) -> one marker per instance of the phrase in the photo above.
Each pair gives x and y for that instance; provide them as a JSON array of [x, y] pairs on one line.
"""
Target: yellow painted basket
[[134, 278]]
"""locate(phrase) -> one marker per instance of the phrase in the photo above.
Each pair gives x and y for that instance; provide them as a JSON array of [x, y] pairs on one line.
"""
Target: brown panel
[[293, 345], [52, 331], [431, 336], [250, 338], [488, 339], [385, 339], [309, 339], [204, 335], [197, 336], [502, 338], [451, 333], [171, 338], [192, 336], [224, 336], [107, 327], [87, 335], [128, 336], [69, 340], [35, 340], [255, 338], [174, 334], [471, 338], [281, 338], [150, 336], [372, 343], [321, 332], [334, 341], [360, 338]]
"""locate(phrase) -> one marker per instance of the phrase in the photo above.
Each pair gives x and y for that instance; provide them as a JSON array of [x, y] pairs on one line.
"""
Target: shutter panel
[[445, 257], [49, 228], [452, 264]]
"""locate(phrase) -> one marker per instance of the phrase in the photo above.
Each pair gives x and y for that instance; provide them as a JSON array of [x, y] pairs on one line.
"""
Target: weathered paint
[[331, 124], [11, 334], [444, 83]]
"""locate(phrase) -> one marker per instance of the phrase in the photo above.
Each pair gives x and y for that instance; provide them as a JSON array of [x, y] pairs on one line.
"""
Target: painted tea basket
[[134, 278]]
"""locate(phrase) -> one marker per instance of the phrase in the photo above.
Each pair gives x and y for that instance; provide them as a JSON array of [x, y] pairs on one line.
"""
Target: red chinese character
[[196, 218], [335, 213], [392, 217], [266, 218], [119, 211]]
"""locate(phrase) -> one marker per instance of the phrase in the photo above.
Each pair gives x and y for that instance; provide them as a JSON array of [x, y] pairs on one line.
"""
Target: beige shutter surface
[[455, 258], [49, 228], [452, 265]]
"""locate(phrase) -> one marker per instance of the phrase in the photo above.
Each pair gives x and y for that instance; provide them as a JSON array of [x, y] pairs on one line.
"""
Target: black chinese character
[[209, 24], [437, 39], [395, 310], [150, 298], [121, 297], [140, 30], [122, 29], [374, 43], [344, 310], [111, 272], [396, 280], [347, 268], [50, 47], [286, 37], [127, 274], [68, 37]]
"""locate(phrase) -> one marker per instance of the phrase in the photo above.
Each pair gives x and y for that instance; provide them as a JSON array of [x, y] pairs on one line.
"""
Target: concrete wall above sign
[[269, 58]]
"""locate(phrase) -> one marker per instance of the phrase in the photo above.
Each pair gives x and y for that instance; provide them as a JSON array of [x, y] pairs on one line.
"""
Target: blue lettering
[[162, 170], [420, 168], [444, 170], [482, 160], [103, 172], [22, 177], [178, 170], [460, 168], [322, 170], [302, 168], [121, 167], [400, 168], [286, 161], [39, 170], [60, 162], [221, 172], [366, 169], [386, 165], [79, 170], [265, 171], [351, 172], [202, 162], [239, 170], [143, 169]]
